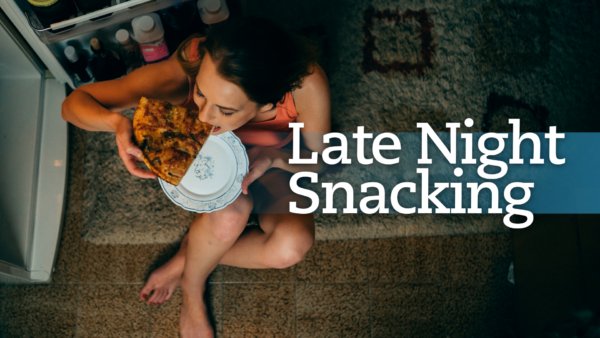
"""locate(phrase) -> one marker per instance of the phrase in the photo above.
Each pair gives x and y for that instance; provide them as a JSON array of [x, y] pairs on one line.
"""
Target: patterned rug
[[390, 65]]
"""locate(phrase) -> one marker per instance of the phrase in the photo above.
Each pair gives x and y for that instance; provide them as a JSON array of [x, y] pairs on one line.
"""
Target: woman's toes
[[161, 297], [169, 294], [145, 293], [166, 296], [152, 299]]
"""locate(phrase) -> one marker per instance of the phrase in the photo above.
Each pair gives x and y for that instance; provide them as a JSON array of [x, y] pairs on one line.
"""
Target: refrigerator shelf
[[96, 20]]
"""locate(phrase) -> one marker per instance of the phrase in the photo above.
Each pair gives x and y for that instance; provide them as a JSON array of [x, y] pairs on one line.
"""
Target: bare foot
[[165, 280], [193, 321]]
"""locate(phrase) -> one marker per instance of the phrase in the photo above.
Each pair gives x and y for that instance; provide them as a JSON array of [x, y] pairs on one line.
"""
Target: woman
[[248, 75]]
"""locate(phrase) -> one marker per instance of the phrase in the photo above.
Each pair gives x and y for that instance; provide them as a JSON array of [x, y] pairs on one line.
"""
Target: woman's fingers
[[252, 176], [131, 165], [130, 160]]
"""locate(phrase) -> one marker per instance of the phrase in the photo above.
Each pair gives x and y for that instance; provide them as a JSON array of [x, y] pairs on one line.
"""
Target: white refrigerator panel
[[33, 141]]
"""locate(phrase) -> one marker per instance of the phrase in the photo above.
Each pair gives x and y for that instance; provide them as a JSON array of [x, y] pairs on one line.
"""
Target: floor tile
[[233, 274], [216, 276], [111, 311], [101, 264], [75, 170], [332, 310], [334, 261], [142, 259], [67, 262], [404, 260], [258, 310], [2, 306], [40, 310], [480, 310], [476, 258], [215, 307], [164, 319], [405, 310]]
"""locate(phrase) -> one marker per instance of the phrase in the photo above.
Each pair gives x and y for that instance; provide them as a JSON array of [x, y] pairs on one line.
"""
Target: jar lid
[[71, 54], [42, 3], [146, 23], [96, 44], [212, 6], [122, 36]]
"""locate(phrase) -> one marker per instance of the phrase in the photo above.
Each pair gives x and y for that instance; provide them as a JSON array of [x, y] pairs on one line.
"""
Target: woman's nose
[[204, 114]]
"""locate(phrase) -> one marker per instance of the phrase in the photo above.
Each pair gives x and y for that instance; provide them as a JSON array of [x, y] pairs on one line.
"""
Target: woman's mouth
[[216, 128]]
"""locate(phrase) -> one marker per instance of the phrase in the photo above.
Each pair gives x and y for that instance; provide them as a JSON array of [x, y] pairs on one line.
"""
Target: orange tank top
[[271, 133]]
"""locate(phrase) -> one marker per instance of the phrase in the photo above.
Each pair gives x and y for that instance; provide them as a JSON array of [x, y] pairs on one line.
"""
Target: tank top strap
[[287, 109]]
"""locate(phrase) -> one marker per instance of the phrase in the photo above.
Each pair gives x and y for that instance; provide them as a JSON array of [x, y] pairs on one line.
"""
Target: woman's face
[[220, 102]]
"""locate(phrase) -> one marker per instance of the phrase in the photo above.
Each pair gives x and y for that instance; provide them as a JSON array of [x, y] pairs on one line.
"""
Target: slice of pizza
[[169, 136]]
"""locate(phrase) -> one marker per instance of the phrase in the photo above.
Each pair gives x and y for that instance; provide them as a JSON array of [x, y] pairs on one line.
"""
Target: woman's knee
[[291, 247], [229, 222]]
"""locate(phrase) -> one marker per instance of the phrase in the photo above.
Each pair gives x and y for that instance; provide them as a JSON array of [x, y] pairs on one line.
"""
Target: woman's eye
[[224, 113]]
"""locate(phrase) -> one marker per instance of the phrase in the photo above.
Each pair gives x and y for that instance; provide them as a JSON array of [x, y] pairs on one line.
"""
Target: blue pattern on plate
[[180, 198]]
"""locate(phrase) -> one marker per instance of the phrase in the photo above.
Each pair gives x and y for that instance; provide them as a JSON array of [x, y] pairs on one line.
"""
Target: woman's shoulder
[[315, 87], [313, 101]]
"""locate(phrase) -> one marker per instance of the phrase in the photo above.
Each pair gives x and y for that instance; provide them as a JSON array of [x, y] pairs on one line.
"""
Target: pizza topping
[[170, 136]]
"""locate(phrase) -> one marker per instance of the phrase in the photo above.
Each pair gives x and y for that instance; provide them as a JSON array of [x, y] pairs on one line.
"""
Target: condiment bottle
[[149, 33], [130, 51], [107, 64], [180, 21], [213, 11], [78, 65]]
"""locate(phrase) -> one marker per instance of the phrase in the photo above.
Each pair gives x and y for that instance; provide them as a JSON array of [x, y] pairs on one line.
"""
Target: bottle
[[88, 6], [149, 33], [180, 21], [179, 16], [107, 64], [130, 51], [213, 11], [78, 65], [52, 11]]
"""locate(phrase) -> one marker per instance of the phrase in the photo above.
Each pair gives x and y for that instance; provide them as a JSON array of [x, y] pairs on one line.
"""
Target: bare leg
[[254, 249], [210, 237]]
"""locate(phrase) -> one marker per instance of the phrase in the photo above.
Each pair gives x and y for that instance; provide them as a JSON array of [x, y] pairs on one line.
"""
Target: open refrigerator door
[[33, 141], [34, 69]]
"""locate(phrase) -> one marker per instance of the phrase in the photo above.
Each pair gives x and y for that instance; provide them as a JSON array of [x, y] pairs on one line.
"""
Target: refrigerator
[[34, 75]]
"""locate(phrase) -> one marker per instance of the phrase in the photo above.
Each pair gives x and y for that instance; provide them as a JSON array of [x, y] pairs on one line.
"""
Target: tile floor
[[451, 286]]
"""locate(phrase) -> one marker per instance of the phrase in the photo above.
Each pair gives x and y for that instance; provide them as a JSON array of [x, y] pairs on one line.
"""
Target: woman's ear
[[267, 107]]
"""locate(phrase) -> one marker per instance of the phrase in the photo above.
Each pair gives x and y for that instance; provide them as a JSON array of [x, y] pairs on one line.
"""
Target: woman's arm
[[94, 107]]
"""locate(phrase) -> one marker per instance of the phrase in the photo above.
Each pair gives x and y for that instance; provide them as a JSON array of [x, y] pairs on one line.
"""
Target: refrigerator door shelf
[[92, 21]]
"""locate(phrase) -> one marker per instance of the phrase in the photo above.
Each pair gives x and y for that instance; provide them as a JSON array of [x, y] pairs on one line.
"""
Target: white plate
[[215, 178]]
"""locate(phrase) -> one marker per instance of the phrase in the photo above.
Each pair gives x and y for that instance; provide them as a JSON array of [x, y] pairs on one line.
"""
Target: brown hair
[[261, 57]]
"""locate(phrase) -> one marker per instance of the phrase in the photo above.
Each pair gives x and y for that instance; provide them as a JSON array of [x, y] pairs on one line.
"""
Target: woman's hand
[[130, 154], [261, 159]]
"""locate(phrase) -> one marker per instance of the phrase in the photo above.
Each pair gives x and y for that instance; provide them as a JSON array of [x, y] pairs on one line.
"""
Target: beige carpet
[[391, 65]]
